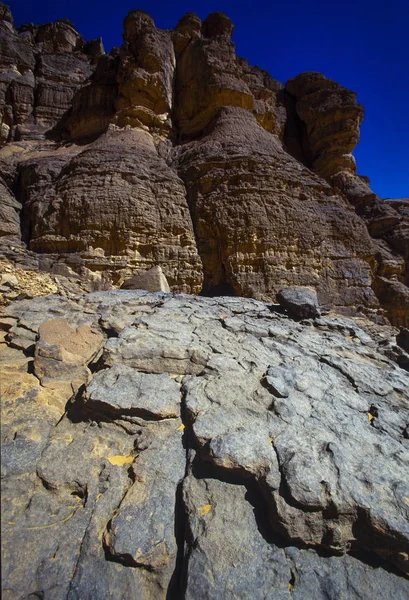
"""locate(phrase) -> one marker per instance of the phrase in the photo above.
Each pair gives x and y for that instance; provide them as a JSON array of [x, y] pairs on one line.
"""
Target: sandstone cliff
[[164, 445], [173, 151]]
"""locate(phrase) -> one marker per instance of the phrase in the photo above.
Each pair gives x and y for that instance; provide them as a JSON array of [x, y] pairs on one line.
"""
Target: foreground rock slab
[[218, 449]]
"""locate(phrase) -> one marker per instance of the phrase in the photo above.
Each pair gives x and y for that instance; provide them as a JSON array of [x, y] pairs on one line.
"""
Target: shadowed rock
[[299, 301]]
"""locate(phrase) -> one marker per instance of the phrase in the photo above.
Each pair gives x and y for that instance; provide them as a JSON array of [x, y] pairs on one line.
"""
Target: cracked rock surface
[[216, 449]]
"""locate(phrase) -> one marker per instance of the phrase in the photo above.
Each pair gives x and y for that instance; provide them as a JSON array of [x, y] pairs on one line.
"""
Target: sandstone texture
[[151, 281], [173, 152], [331, 118], [171, 446], [168, 432]]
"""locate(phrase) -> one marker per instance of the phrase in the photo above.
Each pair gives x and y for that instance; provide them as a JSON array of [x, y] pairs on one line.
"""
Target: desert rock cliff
[[240, 427], [173, 151]]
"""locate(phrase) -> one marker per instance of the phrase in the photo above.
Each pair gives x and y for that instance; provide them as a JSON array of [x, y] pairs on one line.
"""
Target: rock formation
[[166, 445], [172, 151], [158, 446]]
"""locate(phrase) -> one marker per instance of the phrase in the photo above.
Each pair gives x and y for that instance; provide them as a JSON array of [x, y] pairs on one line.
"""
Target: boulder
[[152, 280], [300, 301]]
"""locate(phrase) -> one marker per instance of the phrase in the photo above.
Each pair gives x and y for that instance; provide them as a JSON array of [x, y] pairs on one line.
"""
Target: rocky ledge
[[162, 446]]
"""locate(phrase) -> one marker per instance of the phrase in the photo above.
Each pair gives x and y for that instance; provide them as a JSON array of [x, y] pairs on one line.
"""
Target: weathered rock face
[[338, 115], [216, 449], [171, 151], [263, 221], [331, 119], [145, 76], [134, 209], [40, 70], [209, 77]]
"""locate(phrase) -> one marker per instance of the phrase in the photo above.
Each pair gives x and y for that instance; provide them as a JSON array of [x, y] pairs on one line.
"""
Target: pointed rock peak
[[217, 24]]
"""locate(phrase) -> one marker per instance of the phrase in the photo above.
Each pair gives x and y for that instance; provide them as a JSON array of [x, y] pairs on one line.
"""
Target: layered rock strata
[[167, 446], [172, 151], [331, 119]]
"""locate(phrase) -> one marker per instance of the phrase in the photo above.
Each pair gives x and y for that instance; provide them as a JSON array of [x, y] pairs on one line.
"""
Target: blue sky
[[362, 44]]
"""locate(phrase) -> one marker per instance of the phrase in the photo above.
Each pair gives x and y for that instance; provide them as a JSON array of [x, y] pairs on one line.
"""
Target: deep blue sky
[[362, 44]]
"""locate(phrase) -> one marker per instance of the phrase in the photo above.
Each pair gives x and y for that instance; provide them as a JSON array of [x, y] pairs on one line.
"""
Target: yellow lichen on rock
[[204, 510], [120, 461]]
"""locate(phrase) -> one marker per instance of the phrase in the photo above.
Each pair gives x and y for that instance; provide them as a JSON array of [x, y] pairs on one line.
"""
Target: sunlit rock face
[[172, 151]]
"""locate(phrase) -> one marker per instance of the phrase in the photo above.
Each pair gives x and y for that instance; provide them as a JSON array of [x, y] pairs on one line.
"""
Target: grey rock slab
[[121, 390], [341, 578], [84, 470], [32, 313], [345, 326], [300, 301], [159, 343], [326, 459], [96, 577], [366, 378], [142, 532], [317, 419], [230, 422], [280, 381], [226, 560], [76, 452], [111, 298]]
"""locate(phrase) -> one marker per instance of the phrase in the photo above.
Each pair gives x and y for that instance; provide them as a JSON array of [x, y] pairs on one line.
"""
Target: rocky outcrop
[[41, 68], [136, 210], [200, 414], [331, 119], [272, 223], [171, 151]]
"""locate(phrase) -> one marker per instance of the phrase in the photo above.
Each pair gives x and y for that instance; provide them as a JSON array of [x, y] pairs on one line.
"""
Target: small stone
[[9, 280]]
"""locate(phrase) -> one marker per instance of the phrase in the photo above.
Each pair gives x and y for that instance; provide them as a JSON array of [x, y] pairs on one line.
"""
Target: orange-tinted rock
[[263, 221], [176, 153], [62, 355], [118, 195], [332, 117], [145, 74], [208, 77]]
